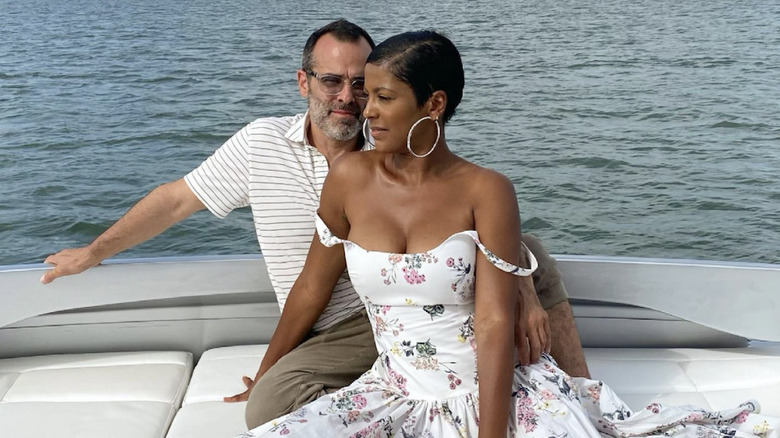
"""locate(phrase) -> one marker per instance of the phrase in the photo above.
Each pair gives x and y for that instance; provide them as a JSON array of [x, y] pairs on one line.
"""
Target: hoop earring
[[367, 136], [409, 137]]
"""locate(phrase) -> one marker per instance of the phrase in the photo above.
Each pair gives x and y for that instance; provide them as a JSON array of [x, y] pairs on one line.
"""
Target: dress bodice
[[421, 307], [442, 275]]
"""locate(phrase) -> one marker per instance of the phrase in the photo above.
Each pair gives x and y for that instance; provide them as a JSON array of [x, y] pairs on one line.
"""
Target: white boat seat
[[127, 395], [217, 375], [709, 378]]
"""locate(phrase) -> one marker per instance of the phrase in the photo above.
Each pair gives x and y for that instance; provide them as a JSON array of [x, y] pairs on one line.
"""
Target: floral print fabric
[[424, 383]]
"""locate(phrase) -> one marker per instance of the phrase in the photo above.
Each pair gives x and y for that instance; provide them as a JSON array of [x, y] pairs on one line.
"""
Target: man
[[277, 167]]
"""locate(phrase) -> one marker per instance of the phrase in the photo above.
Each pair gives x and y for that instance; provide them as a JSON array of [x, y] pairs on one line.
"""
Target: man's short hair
[[342, 30]]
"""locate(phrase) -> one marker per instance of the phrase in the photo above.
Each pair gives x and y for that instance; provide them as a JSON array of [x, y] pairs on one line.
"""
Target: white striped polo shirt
[[270, 166]]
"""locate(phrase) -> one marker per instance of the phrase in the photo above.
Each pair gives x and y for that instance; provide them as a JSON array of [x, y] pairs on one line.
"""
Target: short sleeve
[[326, 236], [221, 182]]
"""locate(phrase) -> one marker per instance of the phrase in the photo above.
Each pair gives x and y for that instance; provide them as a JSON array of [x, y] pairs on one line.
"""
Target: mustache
[[351, 107]]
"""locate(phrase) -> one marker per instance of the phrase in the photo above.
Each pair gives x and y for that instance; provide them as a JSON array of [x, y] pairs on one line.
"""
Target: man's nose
[[346, 94]]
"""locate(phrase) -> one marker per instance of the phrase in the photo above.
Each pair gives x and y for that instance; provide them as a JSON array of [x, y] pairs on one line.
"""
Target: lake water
[[631, 128]]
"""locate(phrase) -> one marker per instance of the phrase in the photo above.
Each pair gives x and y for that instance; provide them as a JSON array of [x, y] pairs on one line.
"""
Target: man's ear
[[303, 83], [438, 103]]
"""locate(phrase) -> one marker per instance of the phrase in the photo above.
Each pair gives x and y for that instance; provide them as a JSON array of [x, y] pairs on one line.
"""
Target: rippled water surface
[[638, 128]]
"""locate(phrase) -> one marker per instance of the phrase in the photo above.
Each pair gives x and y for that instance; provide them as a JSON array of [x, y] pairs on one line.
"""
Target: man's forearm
[[153, 214]]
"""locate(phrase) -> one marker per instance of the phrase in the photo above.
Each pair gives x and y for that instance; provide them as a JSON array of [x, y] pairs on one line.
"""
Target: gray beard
[[318, 112]]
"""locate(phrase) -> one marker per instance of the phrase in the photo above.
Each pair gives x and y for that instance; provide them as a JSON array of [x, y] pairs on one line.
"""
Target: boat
[[148, 347]]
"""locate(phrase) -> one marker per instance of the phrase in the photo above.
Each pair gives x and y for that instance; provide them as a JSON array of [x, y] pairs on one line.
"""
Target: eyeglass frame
[[362, 95]]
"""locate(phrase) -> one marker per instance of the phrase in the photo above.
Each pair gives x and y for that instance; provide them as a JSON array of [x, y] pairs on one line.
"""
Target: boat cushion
[[131, 394], [217, 375], [709, 378]]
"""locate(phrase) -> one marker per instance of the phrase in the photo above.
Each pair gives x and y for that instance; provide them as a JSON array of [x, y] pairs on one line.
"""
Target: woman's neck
[[411, 170]]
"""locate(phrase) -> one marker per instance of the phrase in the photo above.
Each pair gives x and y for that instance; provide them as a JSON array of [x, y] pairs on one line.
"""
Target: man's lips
[[343, 112]]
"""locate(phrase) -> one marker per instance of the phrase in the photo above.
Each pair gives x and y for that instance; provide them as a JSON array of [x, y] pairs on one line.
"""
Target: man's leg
[[566, 346], [322, 364]]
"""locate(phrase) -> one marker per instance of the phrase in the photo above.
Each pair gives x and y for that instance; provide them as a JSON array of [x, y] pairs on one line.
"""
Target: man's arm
[[153, 214], [313, 288], [306, 301], [546, 314], [532, 324]]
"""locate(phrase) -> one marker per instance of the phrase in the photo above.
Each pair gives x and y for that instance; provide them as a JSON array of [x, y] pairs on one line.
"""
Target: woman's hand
[[243, 396]]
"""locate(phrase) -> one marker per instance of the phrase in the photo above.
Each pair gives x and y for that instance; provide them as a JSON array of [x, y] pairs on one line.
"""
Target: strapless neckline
[[470, 233]]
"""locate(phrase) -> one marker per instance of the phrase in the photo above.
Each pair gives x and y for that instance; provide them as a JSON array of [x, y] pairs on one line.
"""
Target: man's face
[[338, 116]]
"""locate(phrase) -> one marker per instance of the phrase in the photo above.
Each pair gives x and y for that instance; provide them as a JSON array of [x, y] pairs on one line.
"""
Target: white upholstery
[[132, 395], [710, 378], [217, 375]]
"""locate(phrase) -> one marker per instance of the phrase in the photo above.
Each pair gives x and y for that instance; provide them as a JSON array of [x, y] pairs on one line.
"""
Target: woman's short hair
[[427, 61]]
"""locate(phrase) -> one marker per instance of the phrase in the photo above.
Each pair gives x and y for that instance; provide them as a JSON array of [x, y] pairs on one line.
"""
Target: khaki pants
[[324, 363]]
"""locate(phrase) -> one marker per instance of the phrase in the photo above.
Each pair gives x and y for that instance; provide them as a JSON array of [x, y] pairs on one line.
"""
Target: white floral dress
[[424, 382]]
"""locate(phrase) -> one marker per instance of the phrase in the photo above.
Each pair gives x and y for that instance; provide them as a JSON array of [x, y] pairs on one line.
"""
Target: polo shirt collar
[[297, 132]]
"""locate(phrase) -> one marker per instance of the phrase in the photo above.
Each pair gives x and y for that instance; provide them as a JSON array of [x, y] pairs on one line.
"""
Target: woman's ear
[[438, 103]]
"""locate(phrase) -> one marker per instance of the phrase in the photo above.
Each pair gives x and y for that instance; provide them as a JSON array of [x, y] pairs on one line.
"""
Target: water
[[636, 128]]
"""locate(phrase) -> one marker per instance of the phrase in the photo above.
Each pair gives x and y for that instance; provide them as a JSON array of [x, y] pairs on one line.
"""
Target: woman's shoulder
[[353, 164], [482, 178]]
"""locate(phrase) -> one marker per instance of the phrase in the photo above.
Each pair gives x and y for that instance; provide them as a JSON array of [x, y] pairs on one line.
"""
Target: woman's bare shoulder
[[353, 165], [482, 180]]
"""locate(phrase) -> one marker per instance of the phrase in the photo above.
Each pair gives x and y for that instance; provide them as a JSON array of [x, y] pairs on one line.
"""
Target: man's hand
[[153, 214], [244, 396], [69, 262], [532, 325]]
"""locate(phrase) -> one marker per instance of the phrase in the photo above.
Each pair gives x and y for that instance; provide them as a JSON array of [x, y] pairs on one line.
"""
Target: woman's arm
[[496, 221], [313, 288], [305, 303]]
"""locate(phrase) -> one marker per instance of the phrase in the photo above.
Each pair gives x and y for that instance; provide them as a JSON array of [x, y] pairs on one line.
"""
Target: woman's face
[[391, 110]]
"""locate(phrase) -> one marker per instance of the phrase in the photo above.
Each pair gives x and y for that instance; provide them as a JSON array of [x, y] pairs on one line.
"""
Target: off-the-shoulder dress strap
[[504, 265], [326, 236]]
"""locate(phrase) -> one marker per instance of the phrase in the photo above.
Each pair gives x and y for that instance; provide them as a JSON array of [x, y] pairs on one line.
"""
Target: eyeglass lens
[[333, 84]]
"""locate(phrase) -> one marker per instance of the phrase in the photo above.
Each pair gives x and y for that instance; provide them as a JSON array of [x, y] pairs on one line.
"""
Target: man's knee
[[276, 395]]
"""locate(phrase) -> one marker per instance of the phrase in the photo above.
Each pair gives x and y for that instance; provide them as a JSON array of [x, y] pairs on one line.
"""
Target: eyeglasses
[[333, 84]]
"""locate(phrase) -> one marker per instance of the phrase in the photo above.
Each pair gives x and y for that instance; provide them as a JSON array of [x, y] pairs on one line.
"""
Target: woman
[[431, 242]]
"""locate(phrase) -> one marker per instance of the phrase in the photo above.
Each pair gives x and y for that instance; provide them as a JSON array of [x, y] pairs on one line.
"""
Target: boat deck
[[148, 348], [158, 394]]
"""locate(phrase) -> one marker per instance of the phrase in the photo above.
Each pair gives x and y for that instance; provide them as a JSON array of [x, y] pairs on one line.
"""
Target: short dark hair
[[342, 30], [427, 61]]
